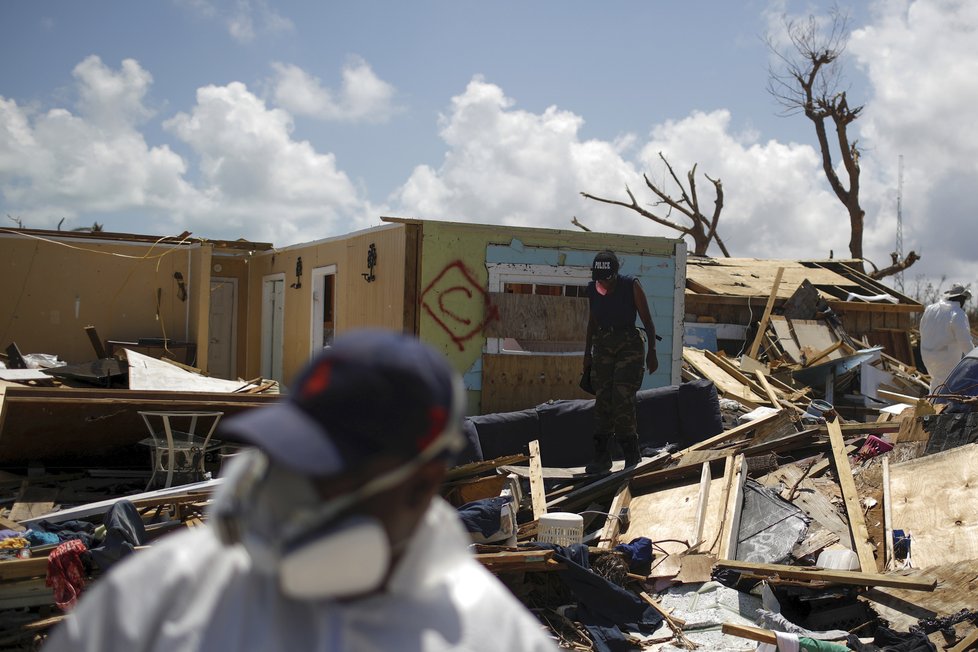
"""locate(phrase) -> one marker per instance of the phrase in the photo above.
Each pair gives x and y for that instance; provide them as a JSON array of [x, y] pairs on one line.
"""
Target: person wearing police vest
[[615, 355], [328, 534]]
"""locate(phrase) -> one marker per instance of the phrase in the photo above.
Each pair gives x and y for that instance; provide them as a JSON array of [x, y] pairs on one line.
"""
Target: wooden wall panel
[[538, 317], [517, 382], [935, 498]]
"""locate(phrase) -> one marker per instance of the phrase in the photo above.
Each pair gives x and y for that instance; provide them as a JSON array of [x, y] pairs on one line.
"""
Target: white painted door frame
[[319, 275], [272, 324]]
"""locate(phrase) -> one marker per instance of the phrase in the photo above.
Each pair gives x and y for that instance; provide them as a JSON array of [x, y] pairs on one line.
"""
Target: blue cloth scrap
[[639, 553], [483, 515], [68, 530], [10, 534], [41, 538]]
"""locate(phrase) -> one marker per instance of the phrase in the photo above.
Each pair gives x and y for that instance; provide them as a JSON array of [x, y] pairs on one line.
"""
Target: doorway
[[272, 325], [323, 308], [221, 329]]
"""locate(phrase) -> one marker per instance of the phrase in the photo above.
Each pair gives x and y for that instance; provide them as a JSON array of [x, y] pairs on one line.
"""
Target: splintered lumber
[[519, 561], [966, 643], [704, 496], [762, 328], [733, 433], [735, 503], [584, 495], [814, 574], [751, 633], [613, 524], [725, 382], [538, 496], [478, 468], [854, 509], [887, 516], [96, 342], [675, 623]]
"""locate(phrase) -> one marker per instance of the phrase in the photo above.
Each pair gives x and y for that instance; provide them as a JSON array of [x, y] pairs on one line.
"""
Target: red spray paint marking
[[455, 278]]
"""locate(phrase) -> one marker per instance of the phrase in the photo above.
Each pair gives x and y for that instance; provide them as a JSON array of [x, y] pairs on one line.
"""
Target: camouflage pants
[[616, 374]]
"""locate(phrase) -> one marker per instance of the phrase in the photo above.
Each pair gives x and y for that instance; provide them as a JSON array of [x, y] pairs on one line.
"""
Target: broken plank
[[519, 561], [612, 526], [854, 509], [725, 383], [704, 496], [538, 495], [735, 504], [814, 574], [733, 433], [762, 327]]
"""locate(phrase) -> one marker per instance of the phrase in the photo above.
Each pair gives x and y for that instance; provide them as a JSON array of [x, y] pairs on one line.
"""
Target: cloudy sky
[[287, 121]]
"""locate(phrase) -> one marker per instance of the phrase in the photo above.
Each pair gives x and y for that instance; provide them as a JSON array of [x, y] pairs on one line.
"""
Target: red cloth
[[66, 573]]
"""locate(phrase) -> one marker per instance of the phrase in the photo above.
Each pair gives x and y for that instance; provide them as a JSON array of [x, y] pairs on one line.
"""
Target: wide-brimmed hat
[[958, 291]]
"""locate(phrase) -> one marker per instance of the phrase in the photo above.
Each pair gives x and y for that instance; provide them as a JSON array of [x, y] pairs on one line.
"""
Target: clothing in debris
[[66, 572], [603, 607], [84, 531], [41, 538], [124, 530], [190, 592], [484, 516], [945, 337], [616, 355]]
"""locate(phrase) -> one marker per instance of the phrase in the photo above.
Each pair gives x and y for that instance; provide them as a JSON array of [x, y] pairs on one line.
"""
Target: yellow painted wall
[[52, 289], [358, 303]]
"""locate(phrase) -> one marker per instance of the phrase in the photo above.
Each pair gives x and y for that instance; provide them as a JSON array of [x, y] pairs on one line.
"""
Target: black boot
[[629, 446], [602, 456]]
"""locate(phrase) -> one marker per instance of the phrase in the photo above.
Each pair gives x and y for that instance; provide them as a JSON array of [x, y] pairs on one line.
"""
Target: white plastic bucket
[[838, 559], [561, 528]]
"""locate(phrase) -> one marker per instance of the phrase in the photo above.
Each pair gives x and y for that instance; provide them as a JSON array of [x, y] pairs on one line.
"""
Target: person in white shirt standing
[[945, 335], [329, 535]]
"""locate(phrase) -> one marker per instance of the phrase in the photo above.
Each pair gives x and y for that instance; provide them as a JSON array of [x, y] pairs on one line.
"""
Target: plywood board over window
[[935, 499], [538, 317], [517, 382]]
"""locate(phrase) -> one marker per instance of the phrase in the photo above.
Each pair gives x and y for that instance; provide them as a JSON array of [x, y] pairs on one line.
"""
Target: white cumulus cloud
[[363, 96]]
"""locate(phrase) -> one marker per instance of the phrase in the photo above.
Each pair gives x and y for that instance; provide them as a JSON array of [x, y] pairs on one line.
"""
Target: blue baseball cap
[[373, 392]]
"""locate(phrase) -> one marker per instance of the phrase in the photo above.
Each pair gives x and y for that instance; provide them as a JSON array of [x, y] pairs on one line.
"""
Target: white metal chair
[[179, 450]]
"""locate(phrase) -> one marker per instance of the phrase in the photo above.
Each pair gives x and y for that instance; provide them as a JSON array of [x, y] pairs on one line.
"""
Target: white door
[[323, 307], [272, 324], [221, 330]]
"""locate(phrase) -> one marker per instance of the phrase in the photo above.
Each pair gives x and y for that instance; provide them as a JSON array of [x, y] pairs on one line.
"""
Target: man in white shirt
[[328, 536], [945, 336]]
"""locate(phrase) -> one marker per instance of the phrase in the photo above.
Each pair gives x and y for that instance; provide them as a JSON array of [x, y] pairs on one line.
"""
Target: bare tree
[[702, 229], [809, 80]]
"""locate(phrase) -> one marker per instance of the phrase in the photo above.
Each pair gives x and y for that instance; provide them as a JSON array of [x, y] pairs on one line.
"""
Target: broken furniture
[[180, 450]]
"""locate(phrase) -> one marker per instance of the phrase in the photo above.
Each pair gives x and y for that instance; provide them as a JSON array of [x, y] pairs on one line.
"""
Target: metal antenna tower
[[899, 228]]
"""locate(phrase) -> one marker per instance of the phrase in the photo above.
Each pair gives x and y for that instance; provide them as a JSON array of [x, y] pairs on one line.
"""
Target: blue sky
[[292, 121]]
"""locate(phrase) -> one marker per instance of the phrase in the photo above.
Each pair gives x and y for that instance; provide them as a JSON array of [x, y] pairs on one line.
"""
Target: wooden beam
[[735, 503], [887, 516], [766, 386], [733, 433], [96, 342], [538, 495], [822, 354], [762, 328], [612, 525], [815, 574], [704, 497], [966, 643], [854, 509], [751, 633]]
